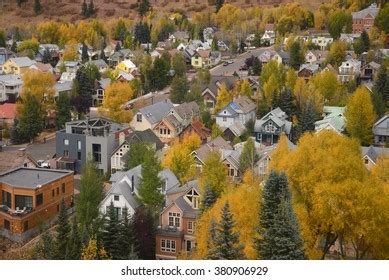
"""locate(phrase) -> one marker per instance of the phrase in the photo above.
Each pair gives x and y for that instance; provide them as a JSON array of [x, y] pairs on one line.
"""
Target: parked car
[[225, 63], [43, 164]]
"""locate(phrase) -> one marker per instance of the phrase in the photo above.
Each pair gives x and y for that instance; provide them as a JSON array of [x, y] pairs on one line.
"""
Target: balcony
[[19, 212]]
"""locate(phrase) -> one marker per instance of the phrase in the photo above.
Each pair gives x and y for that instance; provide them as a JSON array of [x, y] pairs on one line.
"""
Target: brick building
[[364, 19]]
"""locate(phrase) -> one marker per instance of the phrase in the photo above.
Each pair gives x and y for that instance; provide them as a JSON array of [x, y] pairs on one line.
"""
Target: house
[[148, 117], [4, 56], [10, 87], [240, 110], [307, 71], [120, 155], [268, 38], [126, 66], [52, 49], [124, 77], [30, 197], [179, 36], [96, 138], [7, 114], [371, 154], [118, 56], [266, 56], [68, 66], [322, 41], [43, 67], [208, 34], [349, 38], [205, 58], [13, 159], [333, 119], [364, 19], [101, 65], [197, 127], [124, 192], [216, 145], [17, 65], [176, 121], [381, 131], [349, 70], [369, 71], [270, 127], [177, 222], [63, 87], [281, 57], [101, 85], [235, 130], [209, 91], [316, 57]]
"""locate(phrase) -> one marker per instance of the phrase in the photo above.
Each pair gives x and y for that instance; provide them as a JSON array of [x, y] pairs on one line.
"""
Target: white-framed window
[[174, 219], [224, 119], [79, 145], [189, 245], [194, 198], [191, 226], [139, 118], [168, 245], [66, 142], [270, 127]]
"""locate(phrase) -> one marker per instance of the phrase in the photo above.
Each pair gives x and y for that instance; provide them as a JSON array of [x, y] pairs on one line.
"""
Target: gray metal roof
[[156, 112], [23, 61], [371, 10], [32, 178]]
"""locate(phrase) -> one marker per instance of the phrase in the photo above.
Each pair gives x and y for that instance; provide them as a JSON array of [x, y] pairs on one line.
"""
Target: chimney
[[21, 152]]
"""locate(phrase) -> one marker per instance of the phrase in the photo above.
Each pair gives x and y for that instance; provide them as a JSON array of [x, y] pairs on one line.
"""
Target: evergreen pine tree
[[14, 47], [211, 238], [275, 188], [44, 249], [117, 47], [84, 53], [110, 233], [75, 242], [286, 102], [63, 231], [382, 76], [144, 7], [295, 56], [209, 198], [84, 9], [125, 239], [31, 119], [257, 67], [2, 39], [385, 91], [365, 41], [63, 111], [91, 9], [219, 5], [46, 56], [143, 225], [307, 119], [226, 244], [37, 7]]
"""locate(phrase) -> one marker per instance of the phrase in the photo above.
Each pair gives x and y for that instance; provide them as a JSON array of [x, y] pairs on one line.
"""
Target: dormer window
[[193, 198], [139, 117]]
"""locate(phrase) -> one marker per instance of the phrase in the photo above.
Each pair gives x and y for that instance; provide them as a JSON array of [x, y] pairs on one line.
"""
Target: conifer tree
[[125, 238], [382, 76], [219, 5], [14, 47], [209, 198], [75, 244], [37, 7], [110, 233], [143, 225], [307, 119], [91, 9], [365, 41], [44, 250], [102, 55], [144, 7], [286, 102], [46, 56], [63, 231], [84, 53], [226, 245], [84, 9], [117, 47], [63, 111]]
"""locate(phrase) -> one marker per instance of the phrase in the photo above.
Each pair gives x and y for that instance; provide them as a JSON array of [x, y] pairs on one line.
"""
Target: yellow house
[[17, 65], [126, 66]]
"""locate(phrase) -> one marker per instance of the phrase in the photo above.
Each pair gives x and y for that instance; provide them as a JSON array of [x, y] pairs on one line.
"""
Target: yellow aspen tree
[[224, 97]]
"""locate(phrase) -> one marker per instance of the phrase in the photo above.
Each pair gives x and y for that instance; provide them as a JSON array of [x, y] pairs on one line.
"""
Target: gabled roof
[[103, 83], [311, 67], [122, 188], [12, 159], [278, 117], [243, 104], [99, 63], [187, 110], [156, 112], [216, 81], [236, 128], [172, 121], [374, 152], [372, 10], [22, 61], [128, 63], [145, 136], [216, 144], [11, 80]]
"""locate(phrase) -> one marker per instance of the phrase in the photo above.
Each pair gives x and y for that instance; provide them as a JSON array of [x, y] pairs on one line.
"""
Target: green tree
[[137, 154], [339, 22], [214, 173], [37, 7], [120, 30], [44, 249], [150, 185], [219, 5], [307, 119], [143, 224], [360, 116], [226, 245], [382, 19], [179, 64], [159, 74], [91, 194], [84, 53], [144, 7], [84, 9], [2, 39], [63, 110], [142, 33], [110, 233], [209, 197], [296, 57], [125, 239], [179, 89], [257, 67], [63, 231], [75, 244], [337, 53], [91, 9], [31, 119]]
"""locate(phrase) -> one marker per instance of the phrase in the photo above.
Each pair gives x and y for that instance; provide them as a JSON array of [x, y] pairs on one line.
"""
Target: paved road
[[239, 61]]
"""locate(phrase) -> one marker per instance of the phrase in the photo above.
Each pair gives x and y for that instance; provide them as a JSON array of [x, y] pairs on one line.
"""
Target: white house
[[269, 36], [349, 70], [10, 87], [240, 110], [333, 119], [124, 192], [322, 41]]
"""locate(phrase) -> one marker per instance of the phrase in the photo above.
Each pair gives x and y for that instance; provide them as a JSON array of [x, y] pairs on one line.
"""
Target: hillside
[[69, 10]]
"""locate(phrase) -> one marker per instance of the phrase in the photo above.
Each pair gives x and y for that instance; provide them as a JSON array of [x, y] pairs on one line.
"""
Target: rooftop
[[32, 178]]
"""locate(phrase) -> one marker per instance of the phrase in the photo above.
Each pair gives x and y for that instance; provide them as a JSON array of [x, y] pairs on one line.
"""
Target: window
[[139, 118], [189, 245], [58, 191], [160, 131], [194, 198], [63, 188], [224, 119], [53, 193], [270, 128], [39, 199], [79, 144], [22, 201], [65, 153], [116, 197], [168, 245], [191, 226], [57, 207], [366, 161], [168, 131], [174, 219], [6, 199], [132, 184], [66, 142], [79, 155], [7, 224], [96, 148]]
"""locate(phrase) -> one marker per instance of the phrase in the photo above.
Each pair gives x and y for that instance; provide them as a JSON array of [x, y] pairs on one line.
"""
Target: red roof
[[7, 111]]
